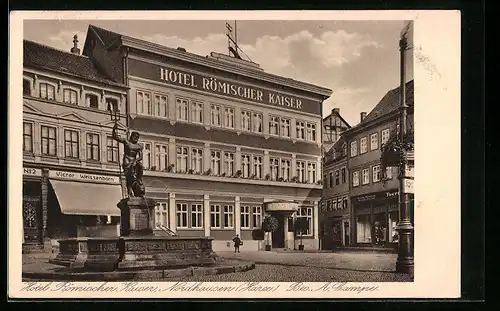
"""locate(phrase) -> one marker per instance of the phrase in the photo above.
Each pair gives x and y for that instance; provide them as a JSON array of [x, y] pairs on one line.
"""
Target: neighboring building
[[374, 212], [335, 198], [225, 143], [71, 164]]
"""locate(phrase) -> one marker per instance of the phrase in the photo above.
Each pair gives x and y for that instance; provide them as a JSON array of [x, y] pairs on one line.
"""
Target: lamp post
[[404, 262]]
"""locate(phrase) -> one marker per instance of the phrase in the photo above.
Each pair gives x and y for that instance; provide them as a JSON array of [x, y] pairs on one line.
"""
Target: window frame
[[48, 140], [182, 106], [157, 106], [372, 142], [196, 209], [71, 91], [47, 86], [29, 136], [363, 181], [256, 215], [356, 178], [365, 145], [181, 212], [215, 215], [71, 142], [88, 95], [245, 212], [161, 164], [92, 145], [114, 145], [354, 148]]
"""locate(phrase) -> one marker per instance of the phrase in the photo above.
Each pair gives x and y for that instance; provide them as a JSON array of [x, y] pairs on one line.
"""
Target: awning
[[82, 198]]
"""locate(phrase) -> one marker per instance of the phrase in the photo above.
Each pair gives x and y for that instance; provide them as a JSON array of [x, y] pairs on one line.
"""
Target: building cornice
[[382, 119], [142, 45]]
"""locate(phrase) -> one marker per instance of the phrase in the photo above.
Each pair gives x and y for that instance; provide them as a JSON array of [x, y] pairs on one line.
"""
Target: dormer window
[[70, 96], [112, 104], [47, 91], [92, 101], [26, 87]]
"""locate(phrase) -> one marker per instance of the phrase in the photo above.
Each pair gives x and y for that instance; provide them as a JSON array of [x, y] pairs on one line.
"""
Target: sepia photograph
[[226, 150]]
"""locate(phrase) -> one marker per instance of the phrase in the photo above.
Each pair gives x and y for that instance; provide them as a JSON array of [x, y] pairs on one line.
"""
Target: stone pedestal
[[137, 216]]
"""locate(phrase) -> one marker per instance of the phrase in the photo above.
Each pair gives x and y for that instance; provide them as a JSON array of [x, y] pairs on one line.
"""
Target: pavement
[[287, 267]]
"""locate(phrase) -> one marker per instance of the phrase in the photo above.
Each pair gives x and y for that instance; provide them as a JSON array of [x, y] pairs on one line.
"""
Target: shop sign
[[375, 196], [94, 178], [32, 171], [220, 86], [408, 185]]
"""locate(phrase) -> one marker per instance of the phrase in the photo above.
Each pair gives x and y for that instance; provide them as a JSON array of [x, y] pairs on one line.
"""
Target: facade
[[225, 143], [374, 198], [335, 198], [71, 167]]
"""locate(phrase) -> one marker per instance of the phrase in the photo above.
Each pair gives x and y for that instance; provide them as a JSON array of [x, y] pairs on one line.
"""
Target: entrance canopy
[[82, 198]]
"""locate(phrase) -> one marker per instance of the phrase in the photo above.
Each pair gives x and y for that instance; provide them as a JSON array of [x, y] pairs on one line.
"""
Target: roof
[[389, 103], [338, 115], [109, 38], [48, 58], [336, 152]]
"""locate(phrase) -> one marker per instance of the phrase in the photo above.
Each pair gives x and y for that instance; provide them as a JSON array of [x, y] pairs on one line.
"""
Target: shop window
[[306, 212], [182, 215], [196, 216], [92, 101], [363, 229]]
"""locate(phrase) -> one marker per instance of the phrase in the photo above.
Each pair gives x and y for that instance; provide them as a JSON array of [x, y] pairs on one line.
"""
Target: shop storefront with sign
[[32, 209], [376, 217]]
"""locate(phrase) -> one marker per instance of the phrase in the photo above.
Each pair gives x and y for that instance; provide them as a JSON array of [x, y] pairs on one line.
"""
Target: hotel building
[[374, 203], [225, 143], [71, 180]]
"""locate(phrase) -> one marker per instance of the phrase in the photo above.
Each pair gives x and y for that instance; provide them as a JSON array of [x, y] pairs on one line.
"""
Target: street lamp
[[405, 230]]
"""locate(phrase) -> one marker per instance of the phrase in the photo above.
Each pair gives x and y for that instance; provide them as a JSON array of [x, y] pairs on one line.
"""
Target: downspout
[[124, 54]]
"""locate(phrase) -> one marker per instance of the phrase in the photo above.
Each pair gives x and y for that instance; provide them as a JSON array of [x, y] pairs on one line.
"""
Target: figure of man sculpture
[[132, 163]]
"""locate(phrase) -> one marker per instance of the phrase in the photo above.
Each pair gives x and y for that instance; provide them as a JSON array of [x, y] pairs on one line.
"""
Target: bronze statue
[[132, 163]]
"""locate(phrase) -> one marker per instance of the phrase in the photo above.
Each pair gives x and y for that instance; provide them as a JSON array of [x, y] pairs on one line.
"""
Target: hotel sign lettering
[[221, 86], [84, 177]]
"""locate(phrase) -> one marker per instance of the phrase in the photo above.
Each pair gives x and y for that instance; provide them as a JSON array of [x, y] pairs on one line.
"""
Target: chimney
[[336, 110], [75, 49], [363, 116]]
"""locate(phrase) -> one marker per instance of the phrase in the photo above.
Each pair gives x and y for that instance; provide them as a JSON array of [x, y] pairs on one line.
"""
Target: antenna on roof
[[232, 43]]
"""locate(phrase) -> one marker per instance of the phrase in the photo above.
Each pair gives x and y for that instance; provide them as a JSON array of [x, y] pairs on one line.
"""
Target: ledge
[[237, 180]]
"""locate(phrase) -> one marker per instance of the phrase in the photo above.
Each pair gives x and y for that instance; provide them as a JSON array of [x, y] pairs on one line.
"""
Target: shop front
[[32, 210], [376, 216]]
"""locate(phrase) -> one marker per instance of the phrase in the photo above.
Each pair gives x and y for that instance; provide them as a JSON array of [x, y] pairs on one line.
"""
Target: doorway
[[279, 235], [346, 234]]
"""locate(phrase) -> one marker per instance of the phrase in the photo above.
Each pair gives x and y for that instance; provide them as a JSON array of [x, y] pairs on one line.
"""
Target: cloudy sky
[[358, 60]]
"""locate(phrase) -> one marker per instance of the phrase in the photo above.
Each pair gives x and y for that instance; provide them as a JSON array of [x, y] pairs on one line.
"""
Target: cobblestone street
[[289, 267]]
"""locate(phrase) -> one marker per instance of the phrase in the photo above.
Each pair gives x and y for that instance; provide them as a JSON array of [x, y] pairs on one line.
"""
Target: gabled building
[[374, 202], [333, 126], [225, 143], [71, 164]]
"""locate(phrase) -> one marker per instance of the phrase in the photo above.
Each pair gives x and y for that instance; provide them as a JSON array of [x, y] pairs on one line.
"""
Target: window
[[229, 163], [143, 103], [27, 137], [93, 147], [306, 212], [197, 112], [215, 162], [182, 159], [214, 216], [388, 173], [274, 168], [311, 132], [311, 170], [301, 167], [385, 136], [229, 117], [374, 141], [26, 87], [257, 123], [257, 167], [363, 147], [49, 140], [344, 202], [343, 175], [182, 215], [245, 120], [196, 216], [354, 148], [300, 130], [92, 101], [245, 165], [70, 96], [330, 181], [47, 91], [161, 214], [146, 155], [285, 127], [257, 216], [161, 157], [228, 216], [285, 169], [197, 160], [181, 109], [365, 176], [337, 177], [376, 173], [215, 115], [161, 105], [112, 104], [334, 205], [111, 149], [245, 217], [355, 179], [274, 125], [71, 144]]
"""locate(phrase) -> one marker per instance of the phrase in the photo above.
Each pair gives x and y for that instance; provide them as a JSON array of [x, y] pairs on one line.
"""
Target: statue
[[132, 163]]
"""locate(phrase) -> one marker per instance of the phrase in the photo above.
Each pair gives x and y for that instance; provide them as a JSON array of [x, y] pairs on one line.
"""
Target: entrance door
[[346, 234], [279, 234], [31, 219]]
